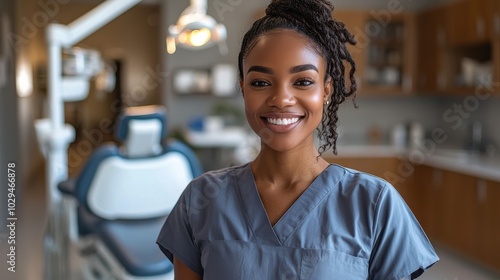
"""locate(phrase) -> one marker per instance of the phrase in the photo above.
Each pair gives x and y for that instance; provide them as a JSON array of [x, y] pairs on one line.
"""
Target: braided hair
[[312, 18]]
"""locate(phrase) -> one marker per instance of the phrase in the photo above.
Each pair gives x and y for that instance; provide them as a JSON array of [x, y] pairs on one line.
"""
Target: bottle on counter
[[399, 136], [416, 134]]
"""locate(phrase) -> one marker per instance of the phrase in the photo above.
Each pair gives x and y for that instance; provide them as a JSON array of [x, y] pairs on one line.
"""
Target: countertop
[[456, 160]]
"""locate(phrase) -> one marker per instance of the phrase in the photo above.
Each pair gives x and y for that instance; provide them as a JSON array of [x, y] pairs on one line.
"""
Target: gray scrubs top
[[346, 225]]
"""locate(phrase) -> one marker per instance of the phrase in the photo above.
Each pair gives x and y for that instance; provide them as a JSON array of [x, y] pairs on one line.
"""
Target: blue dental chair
[[119, 202]]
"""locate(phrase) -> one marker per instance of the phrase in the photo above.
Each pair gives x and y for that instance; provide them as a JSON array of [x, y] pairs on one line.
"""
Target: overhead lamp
[[196, 30]]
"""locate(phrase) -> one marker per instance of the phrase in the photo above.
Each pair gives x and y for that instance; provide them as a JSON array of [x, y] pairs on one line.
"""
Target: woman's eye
[[304, 83], [259, 83]]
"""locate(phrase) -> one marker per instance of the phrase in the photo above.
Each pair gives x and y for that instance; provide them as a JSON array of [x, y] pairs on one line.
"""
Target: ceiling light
[[196, 30]]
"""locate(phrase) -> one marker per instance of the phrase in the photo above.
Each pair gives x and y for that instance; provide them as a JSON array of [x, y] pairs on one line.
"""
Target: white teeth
[[282, 121]]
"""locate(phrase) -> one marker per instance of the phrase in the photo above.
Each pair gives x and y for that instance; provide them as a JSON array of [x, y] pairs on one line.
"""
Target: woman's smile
[[281, 122]]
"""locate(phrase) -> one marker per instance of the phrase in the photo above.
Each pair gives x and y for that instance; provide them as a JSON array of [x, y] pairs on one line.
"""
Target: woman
[[289, 214]]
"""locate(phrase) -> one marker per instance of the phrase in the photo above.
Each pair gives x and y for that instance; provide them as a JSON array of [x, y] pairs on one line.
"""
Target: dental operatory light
[[196, 30]]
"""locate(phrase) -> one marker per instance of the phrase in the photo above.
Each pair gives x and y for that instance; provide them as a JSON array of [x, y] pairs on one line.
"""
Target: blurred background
[[429, 99]]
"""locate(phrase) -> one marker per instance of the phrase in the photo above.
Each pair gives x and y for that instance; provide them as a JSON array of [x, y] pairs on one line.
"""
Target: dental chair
[[121, 198]]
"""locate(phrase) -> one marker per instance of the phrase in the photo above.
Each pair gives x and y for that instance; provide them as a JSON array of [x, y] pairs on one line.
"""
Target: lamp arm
[[59, 36], [199, 6], [95, 19], [56, 136]]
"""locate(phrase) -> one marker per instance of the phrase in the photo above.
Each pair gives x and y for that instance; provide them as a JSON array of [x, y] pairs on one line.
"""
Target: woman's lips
[[281, 123]]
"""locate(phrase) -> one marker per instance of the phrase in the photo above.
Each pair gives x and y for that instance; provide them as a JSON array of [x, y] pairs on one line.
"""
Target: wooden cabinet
[[428, 194], [495, 31], [390, 63], [460, 207], [460, 212], [457, 52], [495, 18], [385, 52], [470, 22], [451, 49], [489, 226], [432, 39]]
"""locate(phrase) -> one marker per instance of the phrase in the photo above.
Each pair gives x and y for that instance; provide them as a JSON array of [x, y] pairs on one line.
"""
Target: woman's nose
[[282, 97]]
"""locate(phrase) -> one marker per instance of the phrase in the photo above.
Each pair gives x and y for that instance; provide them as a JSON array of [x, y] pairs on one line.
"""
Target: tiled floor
[[29, 252]]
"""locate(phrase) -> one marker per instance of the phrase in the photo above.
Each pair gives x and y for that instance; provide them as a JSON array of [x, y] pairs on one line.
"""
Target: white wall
[[490, 116], [384, 113]]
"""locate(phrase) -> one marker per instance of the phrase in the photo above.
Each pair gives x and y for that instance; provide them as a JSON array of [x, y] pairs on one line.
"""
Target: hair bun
[[300, 8]]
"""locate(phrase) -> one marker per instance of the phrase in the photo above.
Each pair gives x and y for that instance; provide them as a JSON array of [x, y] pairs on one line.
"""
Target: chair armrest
[[67, 187]]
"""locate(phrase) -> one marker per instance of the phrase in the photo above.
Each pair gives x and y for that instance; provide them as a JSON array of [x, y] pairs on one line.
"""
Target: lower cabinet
[[460, 212], [489, 226], [428, 194]]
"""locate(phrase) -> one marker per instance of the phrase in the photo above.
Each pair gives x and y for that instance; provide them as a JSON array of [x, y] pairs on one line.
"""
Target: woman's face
[[284, 89]]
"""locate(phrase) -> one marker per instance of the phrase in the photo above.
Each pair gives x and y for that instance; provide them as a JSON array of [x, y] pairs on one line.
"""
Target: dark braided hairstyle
[[312, 18]]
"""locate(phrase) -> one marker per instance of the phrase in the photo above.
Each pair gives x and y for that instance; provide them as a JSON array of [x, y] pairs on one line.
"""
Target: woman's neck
[[287, 168]]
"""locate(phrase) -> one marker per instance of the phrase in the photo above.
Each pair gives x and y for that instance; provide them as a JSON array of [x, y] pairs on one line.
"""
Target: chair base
[[96, 262]]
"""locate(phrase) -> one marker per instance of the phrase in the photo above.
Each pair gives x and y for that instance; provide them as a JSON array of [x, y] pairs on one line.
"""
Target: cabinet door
[[495, 30], [489, 249], [469, 22], [391, 55], [459, 26], [461, 213], [482, 20], [495, 18], [385, 53], [428, 193], [448, 209], [431, 44]]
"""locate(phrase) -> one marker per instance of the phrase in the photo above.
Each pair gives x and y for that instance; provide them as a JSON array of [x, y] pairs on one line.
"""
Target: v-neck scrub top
[[345, 225]]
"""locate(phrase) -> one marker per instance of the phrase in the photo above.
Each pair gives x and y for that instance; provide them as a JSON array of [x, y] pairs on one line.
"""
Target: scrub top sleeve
[[401, 249], [176, 236]]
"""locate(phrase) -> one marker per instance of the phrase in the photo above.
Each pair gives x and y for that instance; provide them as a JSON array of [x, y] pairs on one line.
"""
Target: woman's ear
[[241, 87], [328, 88]]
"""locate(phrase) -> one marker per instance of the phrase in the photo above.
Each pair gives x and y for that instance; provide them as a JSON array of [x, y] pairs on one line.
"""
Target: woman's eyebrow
[[262, 69], [303, 67], [295, 69]]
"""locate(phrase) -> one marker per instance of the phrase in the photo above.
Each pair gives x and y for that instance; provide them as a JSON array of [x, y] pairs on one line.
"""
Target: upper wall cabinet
[[431, 38], [457, 49], [469, 58], [385, 53], [495, 18], [495, 34], [470, 22]]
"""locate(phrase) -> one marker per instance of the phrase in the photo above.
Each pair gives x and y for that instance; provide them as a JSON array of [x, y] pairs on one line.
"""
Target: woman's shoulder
[[212, 189], [359, 182], [220, 175], [215, 181]]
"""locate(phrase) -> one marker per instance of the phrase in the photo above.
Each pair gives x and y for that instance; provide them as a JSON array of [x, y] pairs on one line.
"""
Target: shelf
[[388, 58]]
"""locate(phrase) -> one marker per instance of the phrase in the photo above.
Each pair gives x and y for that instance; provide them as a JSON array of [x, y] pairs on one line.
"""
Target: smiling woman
[[284, 88], [289, 214]]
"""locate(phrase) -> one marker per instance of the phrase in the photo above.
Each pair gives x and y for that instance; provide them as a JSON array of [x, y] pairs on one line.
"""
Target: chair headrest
[[141, 130]]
